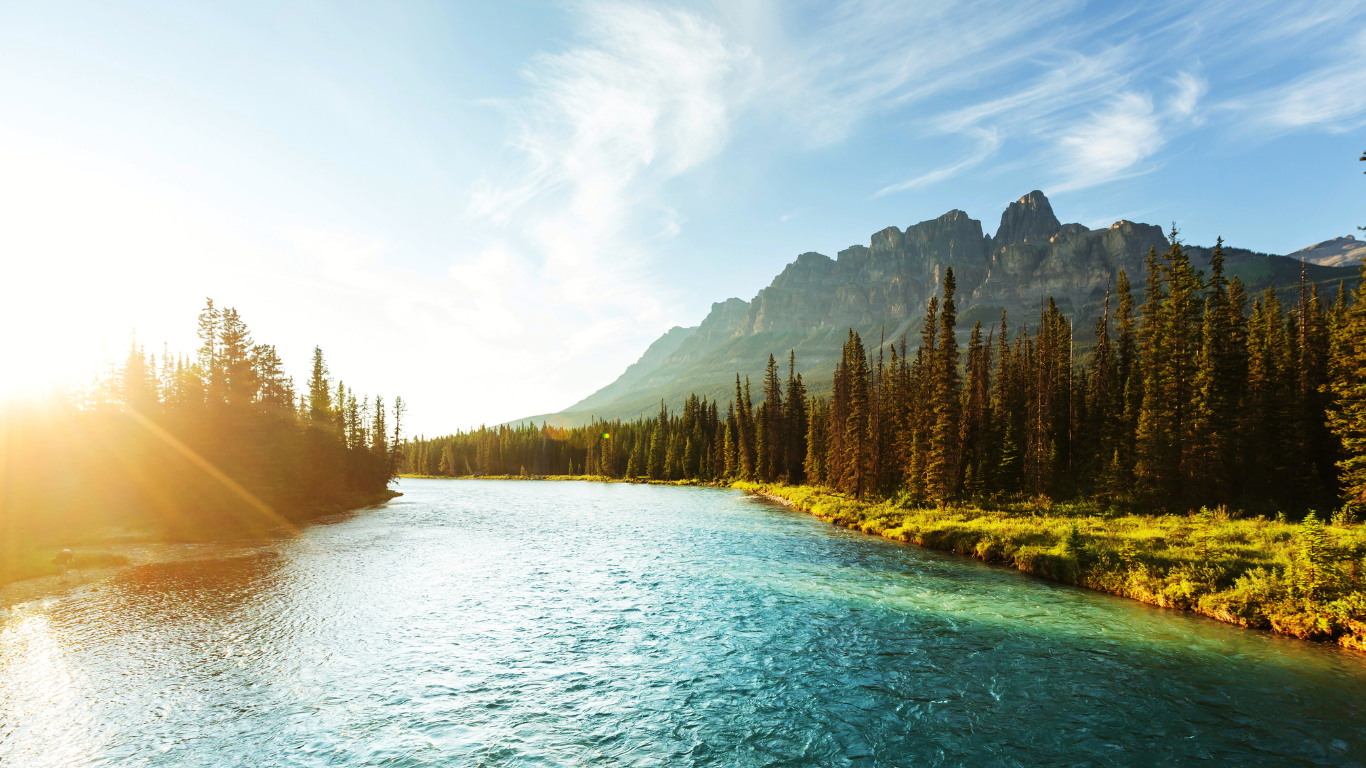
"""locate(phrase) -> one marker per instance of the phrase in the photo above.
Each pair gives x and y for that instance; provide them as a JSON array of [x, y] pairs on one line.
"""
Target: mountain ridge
[[881, 289]]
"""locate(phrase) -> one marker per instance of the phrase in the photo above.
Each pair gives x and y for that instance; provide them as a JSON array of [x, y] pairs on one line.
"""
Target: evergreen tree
[[775, 428], [797, 425], [319, 391], [943, 468], [1347, 410], [658, 445], [234, 362], [856, 443], [817, 443]]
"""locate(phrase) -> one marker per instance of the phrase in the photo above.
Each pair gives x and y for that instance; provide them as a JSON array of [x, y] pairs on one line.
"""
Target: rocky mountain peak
[[1027, 220], [881, 290]]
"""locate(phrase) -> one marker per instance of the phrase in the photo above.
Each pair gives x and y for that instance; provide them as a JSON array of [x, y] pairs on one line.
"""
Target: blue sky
[[493, 208]]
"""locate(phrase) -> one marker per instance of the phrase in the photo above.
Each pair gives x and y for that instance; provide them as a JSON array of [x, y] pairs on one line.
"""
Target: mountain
[[1338, 252], [881, 290]]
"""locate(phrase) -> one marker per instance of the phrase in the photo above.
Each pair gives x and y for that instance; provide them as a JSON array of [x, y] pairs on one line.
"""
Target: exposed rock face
[[887, 281], [1338, 252], [881, 289], [724, 321], [1073, 265], [1027, 220]]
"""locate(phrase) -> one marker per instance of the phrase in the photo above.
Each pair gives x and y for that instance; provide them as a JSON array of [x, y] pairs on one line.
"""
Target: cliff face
[[881, 289], [887, 281]]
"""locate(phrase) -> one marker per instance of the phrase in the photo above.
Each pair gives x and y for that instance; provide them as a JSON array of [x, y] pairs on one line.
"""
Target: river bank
[[28, 571], [1301, 580], [576, 623], [1252, 572]]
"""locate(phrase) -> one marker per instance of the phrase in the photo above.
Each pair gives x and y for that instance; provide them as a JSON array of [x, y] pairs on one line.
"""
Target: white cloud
[[868, 57], [1189, 90], [647, 93], [1110, 142], [1332, 97]]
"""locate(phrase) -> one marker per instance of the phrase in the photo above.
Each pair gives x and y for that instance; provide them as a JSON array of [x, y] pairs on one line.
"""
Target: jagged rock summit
[[1027, 220], [881, 289]]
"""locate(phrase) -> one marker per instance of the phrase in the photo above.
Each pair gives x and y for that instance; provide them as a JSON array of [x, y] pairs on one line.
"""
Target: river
[[498, 623]]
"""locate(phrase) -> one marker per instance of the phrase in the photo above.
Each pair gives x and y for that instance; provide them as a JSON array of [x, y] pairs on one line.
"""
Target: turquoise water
[[522, 623]]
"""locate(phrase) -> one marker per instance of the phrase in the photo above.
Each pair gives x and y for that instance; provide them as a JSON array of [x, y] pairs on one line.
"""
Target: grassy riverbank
[[1298, 579]]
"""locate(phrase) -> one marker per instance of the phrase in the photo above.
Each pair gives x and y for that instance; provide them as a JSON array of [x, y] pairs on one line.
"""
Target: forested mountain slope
[[881, 289]]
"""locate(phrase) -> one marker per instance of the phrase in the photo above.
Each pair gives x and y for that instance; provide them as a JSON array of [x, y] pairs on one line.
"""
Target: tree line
[[1193, 394], [205, 444]]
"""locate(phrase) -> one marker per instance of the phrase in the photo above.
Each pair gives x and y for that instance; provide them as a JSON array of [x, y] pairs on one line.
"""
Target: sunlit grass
[[1246, 571]]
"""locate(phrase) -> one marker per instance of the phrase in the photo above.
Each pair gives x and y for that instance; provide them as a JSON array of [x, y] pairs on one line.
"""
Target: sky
[[491, 209]]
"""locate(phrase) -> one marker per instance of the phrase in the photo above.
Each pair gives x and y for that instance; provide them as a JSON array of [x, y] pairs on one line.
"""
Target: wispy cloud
[[1110, 143], [989, 140], [577, 213], [1332, 97], [1089, 102], [642, 99]]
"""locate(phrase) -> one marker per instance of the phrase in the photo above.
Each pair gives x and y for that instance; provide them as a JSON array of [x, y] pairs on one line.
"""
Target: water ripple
[[526, 624]]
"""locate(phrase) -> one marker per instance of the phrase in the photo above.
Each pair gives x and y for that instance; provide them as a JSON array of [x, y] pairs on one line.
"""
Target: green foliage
[[1313, 574], [208, 446], [1296, 579], [692, 445]]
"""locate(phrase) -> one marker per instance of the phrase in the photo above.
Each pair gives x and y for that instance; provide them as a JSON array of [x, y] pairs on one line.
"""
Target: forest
[[1208, 453], [190, 447], [1194, 394]]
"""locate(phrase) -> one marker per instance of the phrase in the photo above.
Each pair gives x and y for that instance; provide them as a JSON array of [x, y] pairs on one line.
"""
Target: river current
[[498, 623]]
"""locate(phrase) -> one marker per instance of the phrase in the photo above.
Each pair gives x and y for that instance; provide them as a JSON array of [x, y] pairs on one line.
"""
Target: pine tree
[[775, 429], [138, 386], [797, 425], [976, 415], [658, 445], [732, 441], [1170, 317], [817, 443], [856, 444], [319, 391], [234, 362], [1347, 410], [943, 467], [208, 341], [1130, 374], [379, 435], [1105, 406], [920, 417], [837, 417]]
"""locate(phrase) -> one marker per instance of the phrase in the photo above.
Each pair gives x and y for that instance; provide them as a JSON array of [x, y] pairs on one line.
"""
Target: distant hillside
[[1338, 252], [881, 289]]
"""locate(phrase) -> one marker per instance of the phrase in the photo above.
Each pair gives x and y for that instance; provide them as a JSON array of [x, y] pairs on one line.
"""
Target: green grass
[[1252, 572]]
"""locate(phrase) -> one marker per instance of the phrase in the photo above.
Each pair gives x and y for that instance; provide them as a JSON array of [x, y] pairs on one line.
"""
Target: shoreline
[[139, 548], [1132, 578], [1236, 571], [1239, 578]]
